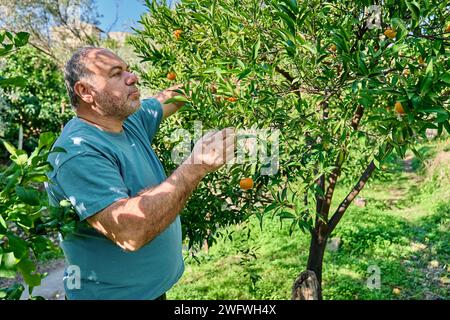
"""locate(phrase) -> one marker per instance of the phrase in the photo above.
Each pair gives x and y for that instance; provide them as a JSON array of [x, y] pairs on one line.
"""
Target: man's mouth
[[135, 92]]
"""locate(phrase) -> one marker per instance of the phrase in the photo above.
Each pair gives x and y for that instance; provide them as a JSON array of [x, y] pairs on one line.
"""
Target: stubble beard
[[117, 108]]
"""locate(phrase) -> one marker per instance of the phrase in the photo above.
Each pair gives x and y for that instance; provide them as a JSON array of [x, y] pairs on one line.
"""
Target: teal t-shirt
[[97, 169]]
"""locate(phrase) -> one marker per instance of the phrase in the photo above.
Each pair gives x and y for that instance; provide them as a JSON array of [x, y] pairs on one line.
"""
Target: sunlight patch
[[77, 140]]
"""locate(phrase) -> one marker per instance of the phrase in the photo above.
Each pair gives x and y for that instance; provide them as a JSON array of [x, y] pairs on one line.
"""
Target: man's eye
[[117, 74]]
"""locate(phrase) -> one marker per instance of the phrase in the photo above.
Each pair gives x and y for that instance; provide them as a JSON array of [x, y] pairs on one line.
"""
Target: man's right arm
[[133, 222]]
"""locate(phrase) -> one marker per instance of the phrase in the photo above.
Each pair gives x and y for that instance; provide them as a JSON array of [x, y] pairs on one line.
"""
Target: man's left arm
[[172, 107]]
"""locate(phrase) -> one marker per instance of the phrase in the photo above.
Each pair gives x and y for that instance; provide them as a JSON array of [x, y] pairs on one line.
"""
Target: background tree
[[56, 27], [39, 105], [346, 85]]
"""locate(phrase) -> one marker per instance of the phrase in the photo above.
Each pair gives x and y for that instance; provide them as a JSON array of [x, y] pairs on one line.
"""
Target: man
[[130, 247]]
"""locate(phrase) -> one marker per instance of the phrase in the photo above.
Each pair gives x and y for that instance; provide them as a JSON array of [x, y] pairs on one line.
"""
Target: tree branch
[[332, 179], [349, 198], [284, 73], [342, 208]]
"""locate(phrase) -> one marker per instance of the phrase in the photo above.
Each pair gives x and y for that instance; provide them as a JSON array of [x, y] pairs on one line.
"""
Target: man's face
[[113, 86]]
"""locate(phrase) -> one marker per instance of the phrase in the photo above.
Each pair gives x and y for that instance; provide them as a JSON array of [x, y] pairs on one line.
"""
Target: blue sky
[[129, 12]]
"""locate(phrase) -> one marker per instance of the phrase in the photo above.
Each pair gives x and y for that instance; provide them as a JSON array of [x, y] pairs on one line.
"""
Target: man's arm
[[163, 96], [133, 222]]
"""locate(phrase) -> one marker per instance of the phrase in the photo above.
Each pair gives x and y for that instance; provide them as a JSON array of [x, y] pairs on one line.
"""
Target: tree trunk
[[20, 140], [308, 285]]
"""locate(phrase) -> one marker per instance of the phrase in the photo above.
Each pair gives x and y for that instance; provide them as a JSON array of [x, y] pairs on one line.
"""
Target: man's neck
[[105, 124]]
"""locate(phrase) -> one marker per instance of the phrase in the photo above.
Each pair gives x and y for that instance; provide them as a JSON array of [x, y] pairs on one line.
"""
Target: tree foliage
[[40, 104], [345, 86]]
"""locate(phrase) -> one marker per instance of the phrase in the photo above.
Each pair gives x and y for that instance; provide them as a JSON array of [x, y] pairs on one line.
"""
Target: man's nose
[[131, 79]]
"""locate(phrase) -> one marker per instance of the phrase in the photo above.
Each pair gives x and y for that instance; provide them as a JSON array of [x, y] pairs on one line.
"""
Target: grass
[[402, 231]]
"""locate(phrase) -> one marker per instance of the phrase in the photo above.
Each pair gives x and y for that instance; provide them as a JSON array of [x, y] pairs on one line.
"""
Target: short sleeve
[[91, 182], [150, 116]]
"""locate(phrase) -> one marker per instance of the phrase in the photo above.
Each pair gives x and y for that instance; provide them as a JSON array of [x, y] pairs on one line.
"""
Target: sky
[[129, 12]]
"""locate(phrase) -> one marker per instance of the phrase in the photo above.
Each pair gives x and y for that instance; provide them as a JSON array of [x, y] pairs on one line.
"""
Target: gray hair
[[75, 70]]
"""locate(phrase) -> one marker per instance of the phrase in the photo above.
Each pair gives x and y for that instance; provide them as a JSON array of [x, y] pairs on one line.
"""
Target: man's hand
[[213, 150]]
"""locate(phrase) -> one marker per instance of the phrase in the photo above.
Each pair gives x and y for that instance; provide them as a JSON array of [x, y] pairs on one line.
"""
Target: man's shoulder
[[76, 139]]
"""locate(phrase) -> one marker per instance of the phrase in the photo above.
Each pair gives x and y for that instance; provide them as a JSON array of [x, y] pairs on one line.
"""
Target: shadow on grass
[[411, 256]]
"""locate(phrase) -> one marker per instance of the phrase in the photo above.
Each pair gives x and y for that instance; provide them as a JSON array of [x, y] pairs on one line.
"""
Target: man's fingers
[[228, 132], [229, 154], [210, 137]]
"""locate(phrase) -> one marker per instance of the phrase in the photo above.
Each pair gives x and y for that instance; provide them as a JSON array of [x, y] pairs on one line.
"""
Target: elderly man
[[130, 247]]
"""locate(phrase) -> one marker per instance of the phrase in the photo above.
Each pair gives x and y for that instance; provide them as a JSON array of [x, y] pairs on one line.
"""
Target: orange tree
[[346, 83]]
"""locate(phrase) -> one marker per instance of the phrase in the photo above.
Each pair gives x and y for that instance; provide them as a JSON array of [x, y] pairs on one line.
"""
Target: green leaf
[[12, 293], [21, 39], [376, 162], [46, 139], [447, 126], [58, 149], [10, 148], [429, 70], [401, 28], [176, 99], [286, 215], [28, 195], [438, 110], [270, 207], [14, 81], [284, 194], [426, 85], [18, 246], [21, 158], [256, 49], [9, 261], [3, 223], [289, 22], [293, 5], [27, 268], [244, 73], [415, 11], [445, 77]]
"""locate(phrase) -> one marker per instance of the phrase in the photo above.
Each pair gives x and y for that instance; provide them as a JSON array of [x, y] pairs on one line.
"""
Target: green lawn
[[403, 230]]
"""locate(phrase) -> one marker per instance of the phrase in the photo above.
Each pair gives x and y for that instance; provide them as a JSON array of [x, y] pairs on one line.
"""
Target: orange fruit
[[396, 291], [231, 99], [171, 76], [447, 30], [390, 33], [333, 47], [177, 34], [399, 108], [246, 183], [406, 72]]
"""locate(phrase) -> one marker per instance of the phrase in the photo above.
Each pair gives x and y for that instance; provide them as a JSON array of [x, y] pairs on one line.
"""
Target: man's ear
[[83, 90]]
